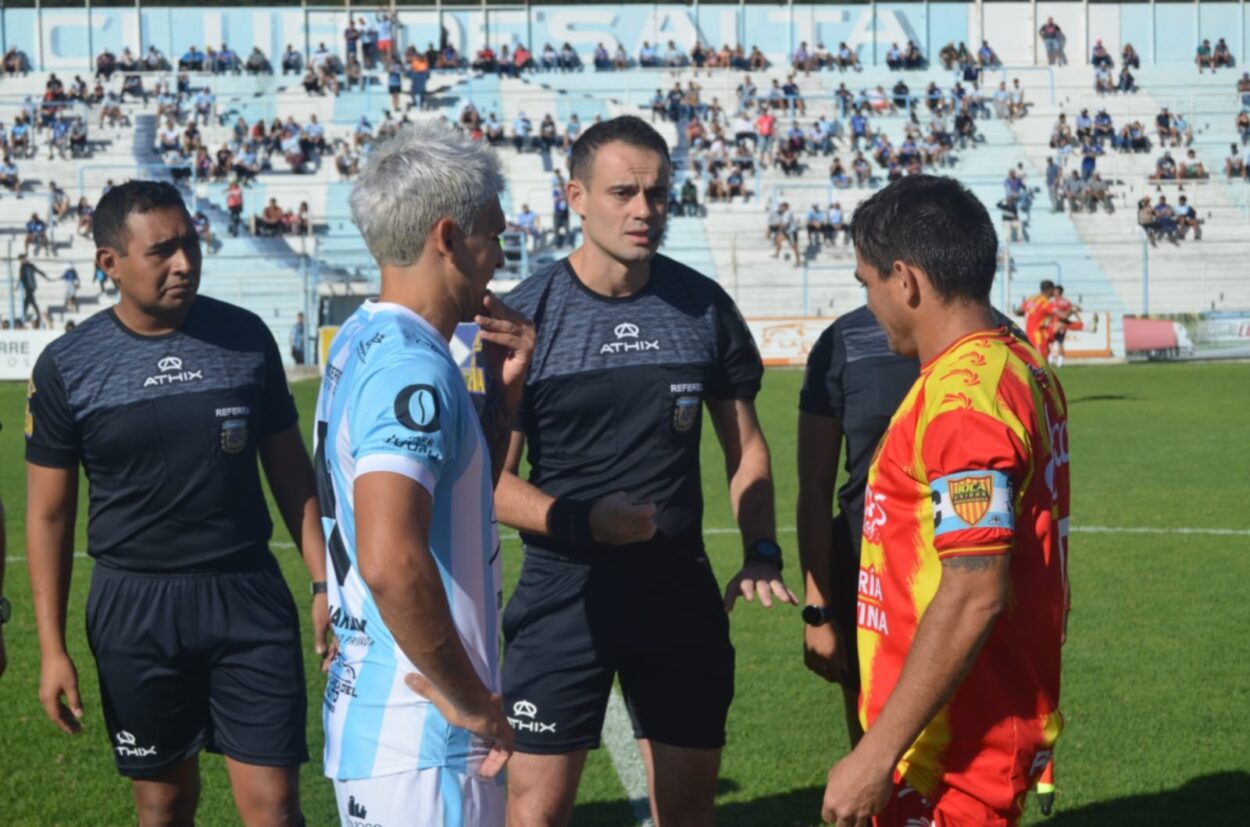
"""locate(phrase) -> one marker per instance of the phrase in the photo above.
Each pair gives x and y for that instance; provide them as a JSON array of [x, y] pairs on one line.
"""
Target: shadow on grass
[[1109, 397], [1217, 800]]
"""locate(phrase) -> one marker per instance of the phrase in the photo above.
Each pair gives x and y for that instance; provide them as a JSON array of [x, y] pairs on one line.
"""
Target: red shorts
[[908, 808]]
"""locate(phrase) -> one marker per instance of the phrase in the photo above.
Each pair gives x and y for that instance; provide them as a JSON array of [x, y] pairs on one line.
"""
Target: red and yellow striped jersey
[[975, 462]]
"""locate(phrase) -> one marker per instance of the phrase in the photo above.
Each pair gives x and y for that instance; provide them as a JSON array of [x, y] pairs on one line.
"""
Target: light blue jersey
[[394, 401]]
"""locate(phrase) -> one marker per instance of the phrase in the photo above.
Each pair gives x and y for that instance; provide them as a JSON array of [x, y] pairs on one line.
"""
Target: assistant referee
[[166, 400]]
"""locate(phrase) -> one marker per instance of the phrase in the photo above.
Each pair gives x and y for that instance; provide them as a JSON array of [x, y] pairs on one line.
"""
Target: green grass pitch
[[1156, 684]]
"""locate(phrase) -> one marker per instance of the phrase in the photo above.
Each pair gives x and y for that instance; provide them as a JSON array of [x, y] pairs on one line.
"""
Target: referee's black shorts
[[654, 618], [191, 662]]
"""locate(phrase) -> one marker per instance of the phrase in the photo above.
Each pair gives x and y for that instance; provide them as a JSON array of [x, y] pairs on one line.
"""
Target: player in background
[[167, 400], [615, 580], [1038, 313], [963, 590], [1067, 317], [414, 725]]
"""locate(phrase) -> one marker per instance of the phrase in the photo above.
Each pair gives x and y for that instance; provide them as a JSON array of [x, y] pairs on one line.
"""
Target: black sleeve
[[738, 365], [280, 413], [822, 381], [52, 436]]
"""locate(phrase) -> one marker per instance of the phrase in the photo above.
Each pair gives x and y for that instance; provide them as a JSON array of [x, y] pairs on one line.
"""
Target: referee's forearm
[[751, 493], [49, 556], [814, 521]]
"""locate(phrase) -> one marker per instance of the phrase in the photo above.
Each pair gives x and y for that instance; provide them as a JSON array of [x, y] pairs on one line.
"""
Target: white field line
[[618, 737], [1079, 529]]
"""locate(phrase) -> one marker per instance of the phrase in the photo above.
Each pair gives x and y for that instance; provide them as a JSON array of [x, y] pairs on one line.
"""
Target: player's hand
[[617, 519], [859, 787], [758, 578], [58, 678], [507, 345], [324, 641], [824, 651], [489, 722]]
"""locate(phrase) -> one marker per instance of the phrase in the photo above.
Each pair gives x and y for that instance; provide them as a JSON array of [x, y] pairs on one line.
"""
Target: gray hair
[[425, 172]]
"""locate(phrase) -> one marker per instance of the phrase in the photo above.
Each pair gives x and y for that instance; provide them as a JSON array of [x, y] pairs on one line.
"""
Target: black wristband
[[570, 520], [317, 587]]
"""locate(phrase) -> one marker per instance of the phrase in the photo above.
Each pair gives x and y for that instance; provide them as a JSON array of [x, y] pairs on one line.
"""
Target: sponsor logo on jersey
[[362, 349], [233, 435], [870, 609], [357, 812], [524, 718], [629, 340], [128, 748], [172, 373], [342, 681], [971, 496], [874, 514], [417, 408], [685, 413]]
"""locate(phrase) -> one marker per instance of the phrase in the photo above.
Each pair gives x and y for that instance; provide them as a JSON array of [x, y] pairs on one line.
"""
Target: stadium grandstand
[[781, 119]]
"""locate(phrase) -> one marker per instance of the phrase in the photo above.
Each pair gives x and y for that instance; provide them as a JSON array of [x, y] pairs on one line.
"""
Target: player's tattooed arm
[[975, 562]]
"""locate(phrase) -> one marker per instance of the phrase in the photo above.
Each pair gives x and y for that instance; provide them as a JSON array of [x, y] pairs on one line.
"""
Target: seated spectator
[[815, 221], [269, 222], [191, 61], [85, 215], [299, 222], [9, 177], [648, 58], [1165, 168], [154, 60], [126, 62], [448, 58], [785, 231], [14, 62], [1010, 209], [674, 57], [788, 160], [802, 59], [912, 58], [37, 234], [1061, 136], [257, 63], [689, 201], [247, 164], [1221, 57], [1104, 83], [1191, 168], [291, 61], [226, 61], [986, 57], [1133, 138], [1129, 58], [105, 65], [485, 61], [1147, 220], [893, 60], [1165, 219], [862, 169], [133, 85], [845, 59], [169, 140], [1126, 81], [837, 174], [1163, 128], [620, 60], [1187, 219], [834, 223], [602, 60], [1097, 194], [312, 82], [59, 202], [755, 63], [1074, 192], [734, 185], [1234, 165], [1084, 126], [291, 150], [948, 56], [1100, 57], [1204, 58], [1018, 107]]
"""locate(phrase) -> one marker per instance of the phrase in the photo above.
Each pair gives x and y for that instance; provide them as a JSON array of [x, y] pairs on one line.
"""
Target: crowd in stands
[[1171, 223]]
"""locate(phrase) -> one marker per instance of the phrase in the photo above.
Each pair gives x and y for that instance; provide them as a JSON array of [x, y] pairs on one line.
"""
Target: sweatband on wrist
[[570, 520]]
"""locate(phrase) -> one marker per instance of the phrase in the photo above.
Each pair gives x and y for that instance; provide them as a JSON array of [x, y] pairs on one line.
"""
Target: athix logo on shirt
[[171, 373], [628, 340], [127, 748], [526, 709]]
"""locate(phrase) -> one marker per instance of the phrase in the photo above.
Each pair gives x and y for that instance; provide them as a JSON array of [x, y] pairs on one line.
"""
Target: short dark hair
[[108, 225], [1046, 284], [628, 129], [936, 224]]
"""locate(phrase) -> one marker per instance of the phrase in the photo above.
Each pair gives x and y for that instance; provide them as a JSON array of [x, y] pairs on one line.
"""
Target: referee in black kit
[[853, 385], [166, 400]]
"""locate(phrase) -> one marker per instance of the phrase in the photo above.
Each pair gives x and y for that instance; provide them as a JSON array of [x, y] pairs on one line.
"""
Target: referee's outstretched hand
[[489, 723], [58, 678], [508, 345], [758, 578]]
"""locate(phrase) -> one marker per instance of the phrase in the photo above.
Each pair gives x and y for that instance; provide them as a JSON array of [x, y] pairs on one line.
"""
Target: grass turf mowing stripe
[[618, 737]]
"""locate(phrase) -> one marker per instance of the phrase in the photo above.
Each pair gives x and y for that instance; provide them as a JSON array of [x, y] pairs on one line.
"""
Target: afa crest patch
[[685, 413], [234, 435]]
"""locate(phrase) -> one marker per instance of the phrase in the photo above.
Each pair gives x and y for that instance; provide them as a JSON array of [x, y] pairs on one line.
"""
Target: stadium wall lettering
[[63, 39]]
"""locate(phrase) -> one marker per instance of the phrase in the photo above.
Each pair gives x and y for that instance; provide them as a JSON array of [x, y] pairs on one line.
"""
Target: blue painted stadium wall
[[65, 39]]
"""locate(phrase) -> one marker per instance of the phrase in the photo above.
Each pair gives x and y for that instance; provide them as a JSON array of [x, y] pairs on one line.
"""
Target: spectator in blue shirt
[[647, 57], [192, 61], [37, 234]]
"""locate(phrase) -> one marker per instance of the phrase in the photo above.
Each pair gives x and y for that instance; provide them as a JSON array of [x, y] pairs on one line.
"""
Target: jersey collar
[[372, 306], [988, 332]]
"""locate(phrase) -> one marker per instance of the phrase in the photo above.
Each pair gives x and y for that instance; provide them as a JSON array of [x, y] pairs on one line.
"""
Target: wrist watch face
[[813, 615], [766, 550]]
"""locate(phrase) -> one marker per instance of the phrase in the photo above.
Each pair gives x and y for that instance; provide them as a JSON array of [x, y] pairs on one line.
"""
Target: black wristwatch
[[765, 551], [6, 611], [817, 615], [317, 587]]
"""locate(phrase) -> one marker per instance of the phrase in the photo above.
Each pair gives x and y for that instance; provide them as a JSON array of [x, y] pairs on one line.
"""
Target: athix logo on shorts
[[628, 340], [525, 709], [127, 748], [171, 373]]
